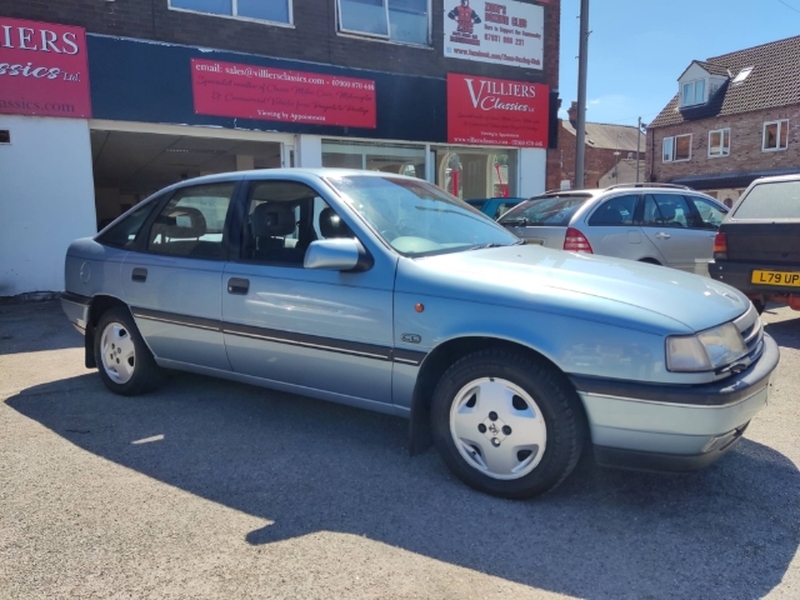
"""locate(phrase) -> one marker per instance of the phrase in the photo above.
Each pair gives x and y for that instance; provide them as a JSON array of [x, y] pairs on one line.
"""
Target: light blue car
[[385, 292]]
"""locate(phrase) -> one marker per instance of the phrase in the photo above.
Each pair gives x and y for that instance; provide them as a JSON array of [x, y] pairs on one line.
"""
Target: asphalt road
[[207, 489]]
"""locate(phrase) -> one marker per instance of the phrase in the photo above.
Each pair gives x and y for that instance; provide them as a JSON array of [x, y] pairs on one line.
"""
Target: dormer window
[[693, 92]]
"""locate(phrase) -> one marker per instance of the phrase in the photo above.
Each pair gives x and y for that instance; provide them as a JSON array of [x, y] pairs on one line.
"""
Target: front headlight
[[706, 350]]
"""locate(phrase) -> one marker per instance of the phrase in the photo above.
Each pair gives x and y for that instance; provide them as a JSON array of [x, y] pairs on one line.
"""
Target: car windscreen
[[772, 200], [417, 218], [550, 210]]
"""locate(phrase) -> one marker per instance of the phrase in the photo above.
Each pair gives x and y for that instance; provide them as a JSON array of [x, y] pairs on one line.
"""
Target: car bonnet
[[594, 287]]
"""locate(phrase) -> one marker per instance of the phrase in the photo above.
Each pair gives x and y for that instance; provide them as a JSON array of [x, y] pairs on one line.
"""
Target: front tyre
[[507, 424], [125, 362]]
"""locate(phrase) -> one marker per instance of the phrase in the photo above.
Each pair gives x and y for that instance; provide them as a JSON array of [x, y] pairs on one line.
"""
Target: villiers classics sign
[[43, 69], [496, 112]]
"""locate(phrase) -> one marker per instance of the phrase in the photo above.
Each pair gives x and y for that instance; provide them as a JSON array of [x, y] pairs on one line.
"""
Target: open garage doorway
[[130, 165]]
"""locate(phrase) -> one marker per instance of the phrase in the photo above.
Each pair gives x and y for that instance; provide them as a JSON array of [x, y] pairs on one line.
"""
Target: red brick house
[[735, 118], [610, 157]]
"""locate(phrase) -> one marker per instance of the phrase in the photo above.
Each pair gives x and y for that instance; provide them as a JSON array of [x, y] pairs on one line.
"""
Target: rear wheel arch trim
[[99, 305]]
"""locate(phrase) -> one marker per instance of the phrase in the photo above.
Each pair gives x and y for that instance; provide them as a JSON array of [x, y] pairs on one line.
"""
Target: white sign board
[[503, 33]]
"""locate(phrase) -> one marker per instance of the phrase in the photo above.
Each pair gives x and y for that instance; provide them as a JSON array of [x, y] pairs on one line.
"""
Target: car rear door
[[320, 330], [611, 230], [667, 221], [708, 216], [173, 282]]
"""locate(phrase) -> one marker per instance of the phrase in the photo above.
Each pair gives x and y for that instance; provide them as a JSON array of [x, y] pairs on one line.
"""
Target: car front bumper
[[674, 428]]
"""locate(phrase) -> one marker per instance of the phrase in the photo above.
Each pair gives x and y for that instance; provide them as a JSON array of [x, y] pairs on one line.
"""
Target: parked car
[[385, 292], [494, 207], [757, 249], [666, 225]]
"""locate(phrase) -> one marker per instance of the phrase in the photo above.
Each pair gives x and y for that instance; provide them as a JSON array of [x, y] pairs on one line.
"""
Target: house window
[[405, 21], [694, 92], [276, 11], [719, 142], [677, 148], [776, 135]]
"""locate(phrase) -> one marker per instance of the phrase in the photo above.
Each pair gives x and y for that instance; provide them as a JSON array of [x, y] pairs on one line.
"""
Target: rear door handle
[[239, 286], [139, 274], [662, 236]]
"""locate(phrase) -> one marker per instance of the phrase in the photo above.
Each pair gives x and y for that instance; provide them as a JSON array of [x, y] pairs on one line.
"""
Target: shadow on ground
[[730, 531], [34, 327]]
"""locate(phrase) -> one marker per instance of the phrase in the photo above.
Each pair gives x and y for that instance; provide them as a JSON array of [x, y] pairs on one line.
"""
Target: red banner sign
[[43, 69], [496, 112], [251, 92]]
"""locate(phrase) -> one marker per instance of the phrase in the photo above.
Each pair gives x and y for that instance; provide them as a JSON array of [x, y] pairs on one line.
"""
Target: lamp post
[[580, 138]]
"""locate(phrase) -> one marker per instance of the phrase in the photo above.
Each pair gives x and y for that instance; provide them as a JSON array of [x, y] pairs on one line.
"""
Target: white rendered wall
[[46, 200], [308, 151], [532, 172]]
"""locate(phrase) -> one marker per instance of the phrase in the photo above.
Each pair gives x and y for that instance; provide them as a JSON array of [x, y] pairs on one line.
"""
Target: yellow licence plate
[[775, 278]]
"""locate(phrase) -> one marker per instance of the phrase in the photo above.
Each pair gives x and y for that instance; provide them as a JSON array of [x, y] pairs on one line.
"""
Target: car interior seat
[[179, 231], [668, 214], [270, 223]]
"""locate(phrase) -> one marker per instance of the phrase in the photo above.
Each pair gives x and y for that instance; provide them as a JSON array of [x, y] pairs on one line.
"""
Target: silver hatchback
[[673, 226]]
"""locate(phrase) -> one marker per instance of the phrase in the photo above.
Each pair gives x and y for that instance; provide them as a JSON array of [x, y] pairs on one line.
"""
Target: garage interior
[[129, 166]]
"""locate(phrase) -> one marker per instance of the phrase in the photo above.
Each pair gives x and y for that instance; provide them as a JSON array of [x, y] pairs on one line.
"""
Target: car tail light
[[577, 242], [721, 246]]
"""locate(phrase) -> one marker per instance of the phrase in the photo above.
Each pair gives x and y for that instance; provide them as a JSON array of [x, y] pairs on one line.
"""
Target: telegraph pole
[[638, 145], [580, 134]]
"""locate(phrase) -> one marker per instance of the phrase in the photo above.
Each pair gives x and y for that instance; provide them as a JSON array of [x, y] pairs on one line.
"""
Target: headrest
[[271, 219], [667, 211], [332, 226], [183, 222]]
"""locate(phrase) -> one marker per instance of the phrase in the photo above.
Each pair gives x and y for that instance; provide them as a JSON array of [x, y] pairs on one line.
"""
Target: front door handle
[[236, 285], [139, 274], [662, 236]]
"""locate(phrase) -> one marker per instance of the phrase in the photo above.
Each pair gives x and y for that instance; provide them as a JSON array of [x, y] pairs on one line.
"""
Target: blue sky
[[638, 48]]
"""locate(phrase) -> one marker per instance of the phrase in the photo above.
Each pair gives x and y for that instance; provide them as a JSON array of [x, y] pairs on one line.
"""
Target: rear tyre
[[507, 424], [759, 304], [125, 362]]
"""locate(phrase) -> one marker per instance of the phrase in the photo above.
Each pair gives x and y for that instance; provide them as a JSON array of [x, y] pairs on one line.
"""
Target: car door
[[611, 230], [708, 216], [667, 221], [309, 329], [173, 283]]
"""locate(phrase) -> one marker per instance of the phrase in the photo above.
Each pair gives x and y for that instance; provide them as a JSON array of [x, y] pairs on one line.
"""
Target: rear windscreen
[[777, 200], [553, 210]]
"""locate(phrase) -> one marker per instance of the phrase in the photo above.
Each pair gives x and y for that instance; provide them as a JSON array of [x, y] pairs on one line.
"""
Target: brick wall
[[313, 37], [597, 161], [745, 150]]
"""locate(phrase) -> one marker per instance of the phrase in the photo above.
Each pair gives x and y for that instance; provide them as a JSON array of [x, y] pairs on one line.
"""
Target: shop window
[[776, 135], [405, 21], [474, 173], [275, 11], [677, 148], [402, 159], [719, 142]]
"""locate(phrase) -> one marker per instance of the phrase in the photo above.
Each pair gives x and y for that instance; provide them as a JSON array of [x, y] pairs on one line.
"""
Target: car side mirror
[[337, 254]]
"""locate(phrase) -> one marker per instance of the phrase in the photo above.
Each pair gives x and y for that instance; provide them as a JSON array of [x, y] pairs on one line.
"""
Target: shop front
[[134, 116]]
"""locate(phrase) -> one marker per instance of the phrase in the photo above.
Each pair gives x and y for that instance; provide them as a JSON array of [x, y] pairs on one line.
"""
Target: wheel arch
[[651, 261], [438, 361], [97, 307]]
